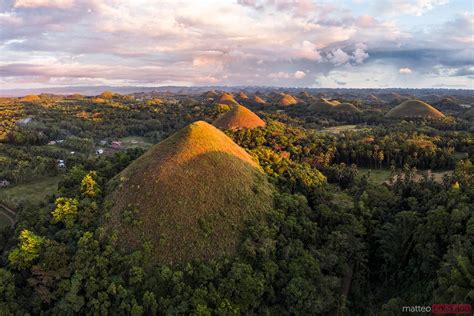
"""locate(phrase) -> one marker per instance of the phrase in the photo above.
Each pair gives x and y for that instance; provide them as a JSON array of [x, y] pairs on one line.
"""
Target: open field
[[135, 141], [341, 128], [377, 176], [33, 192]]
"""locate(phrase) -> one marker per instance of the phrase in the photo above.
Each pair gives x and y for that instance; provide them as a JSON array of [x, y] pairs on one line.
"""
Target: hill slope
[[228, 99], [414, 109], [189, 196], [324, 105], [287, 100], [238, 117]]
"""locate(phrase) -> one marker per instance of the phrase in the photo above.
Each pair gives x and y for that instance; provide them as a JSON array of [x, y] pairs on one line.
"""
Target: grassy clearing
[[338, 129], [135, 141], [377, 176], [33, 192]]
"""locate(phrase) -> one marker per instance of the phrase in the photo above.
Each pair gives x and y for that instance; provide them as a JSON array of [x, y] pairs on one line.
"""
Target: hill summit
[[189, 196], [287, 100], [228, 99], [325, 105], [238, 117], [414, 109]]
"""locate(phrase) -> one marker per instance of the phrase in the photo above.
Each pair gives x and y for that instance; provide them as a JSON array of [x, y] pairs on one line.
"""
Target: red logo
[[451, 308]]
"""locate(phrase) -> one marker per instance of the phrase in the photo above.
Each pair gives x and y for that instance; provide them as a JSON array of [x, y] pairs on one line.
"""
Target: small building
[[52, 142], [116, 144], [103, 142], [61, 164], [4, 183]]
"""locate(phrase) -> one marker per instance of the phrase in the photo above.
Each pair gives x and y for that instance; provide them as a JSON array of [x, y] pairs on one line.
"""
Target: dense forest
[[339, 240]]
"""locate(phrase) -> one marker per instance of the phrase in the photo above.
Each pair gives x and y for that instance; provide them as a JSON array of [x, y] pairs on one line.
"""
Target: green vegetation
[[377, 176], [4, 220], [275, 220], [34, 192], [224, 188]]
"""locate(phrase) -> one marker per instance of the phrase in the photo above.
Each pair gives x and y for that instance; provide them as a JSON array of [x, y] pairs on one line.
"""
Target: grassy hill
[[189, 195], [237, 118], [287, 100], [325, 105], [228, 99], [414, 109]]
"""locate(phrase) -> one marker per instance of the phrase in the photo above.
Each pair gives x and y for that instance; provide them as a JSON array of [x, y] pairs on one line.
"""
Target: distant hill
[[242, 95], [237, 118], [414, 109], [189, 196], [287, 100], [469, 114], [228, 99], [325, 105], [258, 100]]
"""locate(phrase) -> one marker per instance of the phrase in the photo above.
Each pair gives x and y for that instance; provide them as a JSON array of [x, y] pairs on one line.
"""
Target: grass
[[238, 117], [414, 108], [339, 129], [135, 142], [191, 194], [377, 176], [33, 192]]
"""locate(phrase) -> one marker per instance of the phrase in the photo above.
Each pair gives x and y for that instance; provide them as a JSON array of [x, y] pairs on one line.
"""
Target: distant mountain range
[[95, 90]]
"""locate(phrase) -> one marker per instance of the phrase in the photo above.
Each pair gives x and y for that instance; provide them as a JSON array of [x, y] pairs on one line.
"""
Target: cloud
[[279, 75], [299, 74], [231, 43], [359, 55], [410, 7], [306, 50], [405, 71], [63, 4], [338, 57]]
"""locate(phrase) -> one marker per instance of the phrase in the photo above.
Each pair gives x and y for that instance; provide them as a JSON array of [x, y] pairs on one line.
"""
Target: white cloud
[[411, 7], [338, 57], [299, 74], [405, 71], [359, 55], [307, 50], [63, 4]]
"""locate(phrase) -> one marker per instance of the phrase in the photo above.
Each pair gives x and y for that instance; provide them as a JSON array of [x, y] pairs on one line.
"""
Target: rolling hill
[[237, 118], [189, 196], [287, 100], [228, 99], [325, 105], [414, 109]]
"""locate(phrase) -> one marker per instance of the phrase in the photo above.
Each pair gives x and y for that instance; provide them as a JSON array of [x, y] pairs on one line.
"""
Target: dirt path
[[8, 213]]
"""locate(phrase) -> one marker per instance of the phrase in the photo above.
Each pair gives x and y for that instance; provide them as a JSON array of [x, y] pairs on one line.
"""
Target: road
[[8, 213]]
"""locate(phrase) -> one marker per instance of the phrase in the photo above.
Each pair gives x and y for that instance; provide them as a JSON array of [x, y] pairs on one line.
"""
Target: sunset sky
[[417, 43]]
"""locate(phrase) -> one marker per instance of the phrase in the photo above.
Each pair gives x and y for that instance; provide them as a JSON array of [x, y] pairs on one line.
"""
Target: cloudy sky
[[303, 43]]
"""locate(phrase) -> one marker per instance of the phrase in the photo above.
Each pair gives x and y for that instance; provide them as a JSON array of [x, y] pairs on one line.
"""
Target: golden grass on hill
[[189, 196], [227, 98], [242, 95], [106, 95], [258, 100], [30, 98], [287, 100], [237, 118], [325, 105], [414, 109]]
